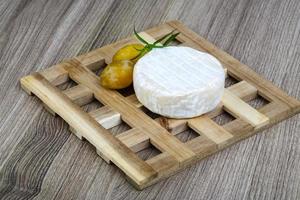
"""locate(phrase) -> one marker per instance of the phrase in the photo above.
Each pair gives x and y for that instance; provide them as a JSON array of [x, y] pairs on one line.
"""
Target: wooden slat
[[240, 109], [202, 145], [106, 116], [206, 126], [243, 90], [56, 74], [136, 139], [112, 148], [159, 137], [148, 37], [132, 99], [93, 61], [79, 94]]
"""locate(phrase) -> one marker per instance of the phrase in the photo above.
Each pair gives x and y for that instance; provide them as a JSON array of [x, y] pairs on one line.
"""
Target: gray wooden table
[[40, 159]]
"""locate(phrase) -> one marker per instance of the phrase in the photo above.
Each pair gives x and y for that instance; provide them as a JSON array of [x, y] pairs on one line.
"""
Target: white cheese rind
[[179, 82]]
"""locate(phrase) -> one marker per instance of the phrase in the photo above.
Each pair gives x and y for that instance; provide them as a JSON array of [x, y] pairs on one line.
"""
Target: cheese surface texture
[[178, 82]]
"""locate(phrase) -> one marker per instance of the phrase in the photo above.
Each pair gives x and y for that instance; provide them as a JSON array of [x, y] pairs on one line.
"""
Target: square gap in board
[[229, 81], [187, 135], [121, 128], [100, 69], [94, 105], [70, 83], [223, 118], [149, 113], [148, 153], [175, 43], [258, 102], [127, 91]]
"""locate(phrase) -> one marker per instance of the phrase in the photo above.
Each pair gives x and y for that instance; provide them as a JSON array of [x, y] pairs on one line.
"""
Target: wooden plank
[[105, 158], [103, 54], [136, 139], [243, 90], [92, 61], [106, 116], [204, 125], [239, 108], [132, 99], [148, 38], [159, 137], [56, 74], [109, 146], [79, 94]]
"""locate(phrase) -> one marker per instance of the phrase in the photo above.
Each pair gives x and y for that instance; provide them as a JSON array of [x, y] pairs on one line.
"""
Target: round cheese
[[178, 82]]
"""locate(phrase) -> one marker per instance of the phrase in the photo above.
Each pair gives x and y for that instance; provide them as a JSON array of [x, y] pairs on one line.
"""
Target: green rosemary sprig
[[168, 38], [163, 38]]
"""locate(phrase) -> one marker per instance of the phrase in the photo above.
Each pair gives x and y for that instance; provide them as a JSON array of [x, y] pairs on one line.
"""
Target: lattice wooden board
[[176, 155]]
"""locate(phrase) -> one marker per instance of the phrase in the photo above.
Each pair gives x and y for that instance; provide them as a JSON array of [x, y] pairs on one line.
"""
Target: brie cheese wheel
[[178, 82]]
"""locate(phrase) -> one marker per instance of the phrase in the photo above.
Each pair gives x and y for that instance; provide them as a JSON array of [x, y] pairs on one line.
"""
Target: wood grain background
[[39, 159]]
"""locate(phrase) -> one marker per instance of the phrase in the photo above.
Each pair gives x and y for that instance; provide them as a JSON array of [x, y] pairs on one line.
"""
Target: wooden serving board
[[160, 132]]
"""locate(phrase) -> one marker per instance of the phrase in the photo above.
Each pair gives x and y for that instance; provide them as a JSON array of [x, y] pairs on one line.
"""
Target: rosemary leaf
[[139, 37], [163, 38], [170, 39]]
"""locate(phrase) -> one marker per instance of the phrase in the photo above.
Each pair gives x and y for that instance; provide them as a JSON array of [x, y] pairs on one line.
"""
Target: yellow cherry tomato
[[117, 75], [128, 52]]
